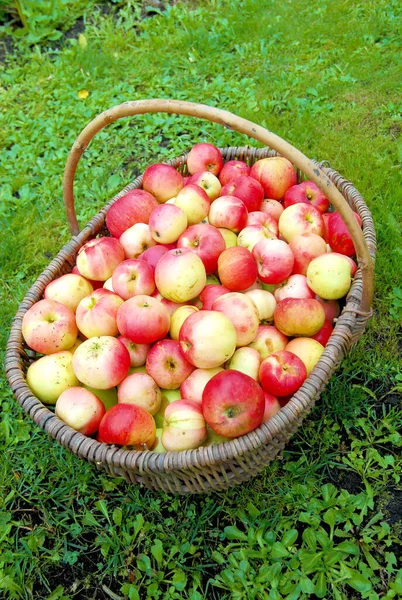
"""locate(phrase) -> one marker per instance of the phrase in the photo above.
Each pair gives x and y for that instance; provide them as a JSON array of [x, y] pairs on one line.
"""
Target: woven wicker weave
[[223, 465]]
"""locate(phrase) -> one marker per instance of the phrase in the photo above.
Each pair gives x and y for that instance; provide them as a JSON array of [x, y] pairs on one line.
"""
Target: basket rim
[[300, 403]]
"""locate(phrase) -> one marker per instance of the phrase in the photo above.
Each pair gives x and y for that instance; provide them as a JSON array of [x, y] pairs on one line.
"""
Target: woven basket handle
[[241, 125]]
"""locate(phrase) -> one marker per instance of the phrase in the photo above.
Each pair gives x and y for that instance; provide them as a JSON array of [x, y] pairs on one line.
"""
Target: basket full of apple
[[180, 339]]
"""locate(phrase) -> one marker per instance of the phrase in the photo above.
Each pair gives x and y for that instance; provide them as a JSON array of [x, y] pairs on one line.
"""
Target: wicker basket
[[227, 464]]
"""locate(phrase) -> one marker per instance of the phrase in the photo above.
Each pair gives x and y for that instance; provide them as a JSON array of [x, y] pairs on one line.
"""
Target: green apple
[[158, 446], [168, 396], [108, 397], [51, 375], [214, 438]]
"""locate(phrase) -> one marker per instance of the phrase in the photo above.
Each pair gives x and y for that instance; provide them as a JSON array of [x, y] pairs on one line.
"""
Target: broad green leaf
[[117, 516], [157, 551], [321, 585], [179, 580], [358, 582], [233, 533], [279, 551], [290, 537]]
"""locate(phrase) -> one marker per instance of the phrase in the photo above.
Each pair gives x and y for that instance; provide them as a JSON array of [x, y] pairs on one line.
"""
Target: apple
[[331, 308], [208, 182], [329, 276], [101, 362], [167, 366], [229, 236], [204, 157], [152, 254], [98, 258], [272, 207], [325, 218], [282, 373], [162, 181], [324, 333], [134, 207], [140, 389], [143, 320], [194, 201], [178, 318], [184, 427], [80, 409], [207, 339], [51, 375], [136, 239], [249, 190], [299, 316], [157, 445], [138, 352], [167, 396], [242, 312], [210, 293], [257, 285], [108, 285], [305, 247], [49, 326], [276, 175], [128, 425], [306, 192], [272, 406], [339, 237], [206, 242], [252, 234], [95, 284], [96, 314], [68, 289], [228, 212], [274, 260], [293, 287], [233, 404], [268, 340], [180, 275], [232, 170], [308, 350], [264, 302], [192, 388], [237, 268], [298, 219], [260, 218], [246, 360], [214, 438], [107, 397], [133, 278], [166, 223]]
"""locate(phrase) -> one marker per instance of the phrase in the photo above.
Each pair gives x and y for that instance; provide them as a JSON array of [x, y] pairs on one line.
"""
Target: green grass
[[323, 520]]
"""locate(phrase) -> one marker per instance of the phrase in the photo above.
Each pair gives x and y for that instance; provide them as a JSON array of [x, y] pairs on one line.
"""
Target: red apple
[[325, 218], [192, 388], [305, 247], [207, 339], [133, 278], [282, 373], [299, 316], [184, 426], [272, 207], [208, 182], [228, 212], [210, 293], [237, 268], [331, 308], [272, 406], [298, 219], [138, 352], [242, 312], [140, 389], [232, 170], [143, 319], [96, 314], [339, 237], [276, 175], [167, 365], [180, 275], [274, 260], [98, 258], [268, 340], [204, 157], [252, 234], [233, 404], [306, 192], [249, 190], [154, 253], [162, 181], [80, 409], [261, 218], [166, 223], [128, 425], [134, 207], [101, 362], [49, 327], [324, 333], [206, 242], [194, 201], [293, 287], [136, 239]]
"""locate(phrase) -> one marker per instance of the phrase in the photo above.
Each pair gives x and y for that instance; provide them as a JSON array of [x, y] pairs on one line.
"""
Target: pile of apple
[[202, 314]]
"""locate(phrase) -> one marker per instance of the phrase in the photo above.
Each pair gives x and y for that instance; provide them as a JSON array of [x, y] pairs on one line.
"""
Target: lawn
[[324, 520]]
